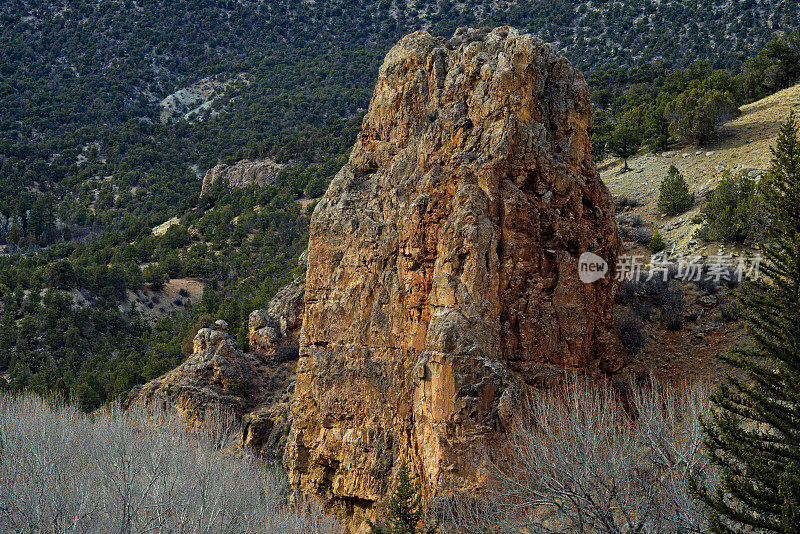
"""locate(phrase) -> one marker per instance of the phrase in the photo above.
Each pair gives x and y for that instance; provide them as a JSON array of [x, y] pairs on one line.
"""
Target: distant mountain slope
[[114, 60], [71, 68]]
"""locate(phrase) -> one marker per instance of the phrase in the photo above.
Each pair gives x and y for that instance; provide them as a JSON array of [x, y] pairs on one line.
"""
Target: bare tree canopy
[[585, 461], [142, 471]]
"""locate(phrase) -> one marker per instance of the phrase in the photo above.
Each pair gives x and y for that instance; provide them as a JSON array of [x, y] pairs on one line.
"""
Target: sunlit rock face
[[442, 267]]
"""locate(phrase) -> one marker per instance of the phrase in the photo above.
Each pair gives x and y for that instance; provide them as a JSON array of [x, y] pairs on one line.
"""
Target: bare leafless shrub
[[139, 471], [655, 287], [712, 277], [583, 463], [631, 228], [457, 512], [642, 235], [632, 220], [628, 291], [673, 309], [623, 201], [630, 332], [708, 285]]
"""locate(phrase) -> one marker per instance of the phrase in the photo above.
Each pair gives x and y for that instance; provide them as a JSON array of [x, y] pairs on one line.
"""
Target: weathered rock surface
[[442, 267], [243, 173], [257, 386], [276, 329]]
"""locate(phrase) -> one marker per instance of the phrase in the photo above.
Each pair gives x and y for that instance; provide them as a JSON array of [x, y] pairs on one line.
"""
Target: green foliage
[[405, 512], [175, 237], [95, 351], [49, 344], [662, 103], [60, 275], [154, 275], [697, 113], [674, 197], [68, 121], [656, 243], [237, 387], [648, 120], [602, 128], [772, 69], [624, 142], [753, 436], [733, 210]]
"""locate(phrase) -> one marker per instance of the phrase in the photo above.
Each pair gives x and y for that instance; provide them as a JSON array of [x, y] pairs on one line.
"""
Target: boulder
[[257, 386], [276, 329]]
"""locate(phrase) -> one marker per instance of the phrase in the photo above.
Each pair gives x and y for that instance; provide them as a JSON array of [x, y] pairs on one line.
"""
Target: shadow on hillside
[[733, 136]]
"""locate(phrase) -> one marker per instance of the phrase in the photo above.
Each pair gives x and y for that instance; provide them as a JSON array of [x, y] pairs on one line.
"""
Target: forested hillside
[[72, 70], [111, 111]]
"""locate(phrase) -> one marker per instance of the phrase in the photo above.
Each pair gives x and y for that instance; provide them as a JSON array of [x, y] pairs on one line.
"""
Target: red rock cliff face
[[442, 266]]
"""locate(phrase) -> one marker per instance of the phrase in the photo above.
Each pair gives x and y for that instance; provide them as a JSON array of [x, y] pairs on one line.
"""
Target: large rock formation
[[243, 173], [442, 273], [256, 386]]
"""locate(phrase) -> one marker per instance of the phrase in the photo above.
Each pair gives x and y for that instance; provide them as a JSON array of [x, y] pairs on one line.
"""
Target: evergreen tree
[[675, 197], [154, 275], [697, 113], [656, 244], [734, 208], [602, 129], [753, 435], [624, 143], [405, 509]]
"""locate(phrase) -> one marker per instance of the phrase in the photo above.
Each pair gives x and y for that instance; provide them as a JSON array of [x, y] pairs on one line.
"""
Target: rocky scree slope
[[442, 268]]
